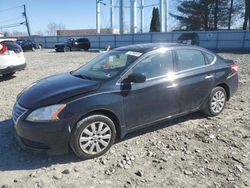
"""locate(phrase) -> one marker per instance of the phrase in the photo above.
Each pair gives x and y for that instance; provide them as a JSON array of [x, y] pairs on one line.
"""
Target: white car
[[11, 57]]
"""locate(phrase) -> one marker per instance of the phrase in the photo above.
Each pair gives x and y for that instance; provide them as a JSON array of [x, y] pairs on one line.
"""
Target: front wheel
[[93, 136], [216, 102]]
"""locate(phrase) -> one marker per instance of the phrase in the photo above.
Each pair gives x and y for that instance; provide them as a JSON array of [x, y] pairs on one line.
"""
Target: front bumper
[[51, 138], [12, 68]]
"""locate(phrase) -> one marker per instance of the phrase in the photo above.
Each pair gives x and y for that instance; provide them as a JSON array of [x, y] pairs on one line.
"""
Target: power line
[[7, 9], [11, 19], [12, 25]]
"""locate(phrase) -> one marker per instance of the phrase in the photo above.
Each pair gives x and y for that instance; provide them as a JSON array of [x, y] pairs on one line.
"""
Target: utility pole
[[112, 15], [142, 15], [121, 15], [166, 15], [26, 19], [162, 15], [98, 18], [133, 16]]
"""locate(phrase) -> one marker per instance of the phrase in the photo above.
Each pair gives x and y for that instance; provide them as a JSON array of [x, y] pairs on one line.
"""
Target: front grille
[[17, 112]]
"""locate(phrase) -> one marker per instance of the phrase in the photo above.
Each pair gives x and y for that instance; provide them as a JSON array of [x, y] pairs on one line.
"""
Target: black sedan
[[120, 91]]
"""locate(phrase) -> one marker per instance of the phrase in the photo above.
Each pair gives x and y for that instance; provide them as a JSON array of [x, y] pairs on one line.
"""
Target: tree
[[155, 21], [205, 14], [247, 15], [53, 27]]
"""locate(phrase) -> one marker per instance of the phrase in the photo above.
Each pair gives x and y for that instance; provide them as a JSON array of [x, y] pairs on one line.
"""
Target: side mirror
[[136, 78]]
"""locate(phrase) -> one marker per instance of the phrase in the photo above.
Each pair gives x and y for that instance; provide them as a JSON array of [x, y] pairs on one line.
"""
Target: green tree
[[246, 15], [205, 14], [155, 21]]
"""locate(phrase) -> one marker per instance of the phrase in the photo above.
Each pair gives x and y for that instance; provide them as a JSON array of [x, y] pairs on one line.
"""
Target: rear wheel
[[93, 136], [216, 102]]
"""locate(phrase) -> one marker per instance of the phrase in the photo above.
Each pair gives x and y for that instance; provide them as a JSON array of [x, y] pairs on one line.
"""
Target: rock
[[211, 136], [239, 168], [5, 186], [139, 173], [57, 177], [126, 166], [34, 174], [186, 172], [66, 171], [109, 172], [38, 184], [230, 178], [150, 154], [120, 165], [129, 162], [15, 181], [76, 169], [103, 161], [164, 159]]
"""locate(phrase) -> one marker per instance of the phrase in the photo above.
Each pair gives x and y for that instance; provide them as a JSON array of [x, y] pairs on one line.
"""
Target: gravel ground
[[191, 151]]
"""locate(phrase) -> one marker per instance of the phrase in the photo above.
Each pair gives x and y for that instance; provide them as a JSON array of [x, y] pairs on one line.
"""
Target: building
[[81, 32]]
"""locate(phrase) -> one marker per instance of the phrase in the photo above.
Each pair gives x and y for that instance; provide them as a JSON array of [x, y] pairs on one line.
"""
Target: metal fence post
[[217, 40], [115, 40], [244, 38], [45, 40]]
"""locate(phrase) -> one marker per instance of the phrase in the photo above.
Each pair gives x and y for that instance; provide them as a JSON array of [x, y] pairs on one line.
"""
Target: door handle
[[172, 85], [209, 76]]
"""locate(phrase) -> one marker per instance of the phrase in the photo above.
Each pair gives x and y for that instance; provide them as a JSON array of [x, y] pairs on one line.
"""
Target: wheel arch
[[226, 88], [110, 115]]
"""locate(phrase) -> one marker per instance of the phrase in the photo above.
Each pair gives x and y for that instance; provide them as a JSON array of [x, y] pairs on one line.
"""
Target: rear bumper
[[233, 83], [12, 68]]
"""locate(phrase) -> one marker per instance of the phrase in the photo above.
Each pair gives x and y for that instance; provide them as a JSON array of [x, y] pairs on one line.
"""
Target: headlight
[[48, 113]]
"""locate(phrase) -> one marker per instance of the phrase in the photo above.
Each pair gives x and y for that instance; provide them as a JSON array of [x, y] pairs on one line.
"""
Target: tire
[[86, 49], [66, 49], [93, 136], [216, 102], [9, 74]]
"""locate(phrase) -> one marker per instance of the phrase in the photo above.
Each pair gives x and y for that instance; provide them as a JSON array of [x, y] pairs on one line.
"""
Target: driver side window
[[155, 65]]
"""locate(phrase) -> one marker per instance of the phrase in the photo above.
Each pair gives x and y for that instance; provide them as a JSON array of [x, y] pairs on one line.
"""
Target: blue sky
[[74, 14]]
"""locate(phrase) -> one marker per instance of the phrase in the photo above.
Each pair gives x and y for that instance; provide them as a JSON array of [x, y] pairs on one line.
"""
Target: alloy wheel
[[95, 138], [218, 101]]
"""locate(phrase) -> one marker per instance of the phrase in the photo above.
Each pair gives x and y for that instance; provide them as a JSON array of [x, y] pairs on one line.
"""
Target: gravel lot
[[191, 151]]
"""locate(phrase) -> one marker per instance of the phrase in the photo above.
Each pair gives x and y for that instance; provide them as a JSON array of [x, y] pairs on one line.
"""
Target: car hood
[[53, 89]]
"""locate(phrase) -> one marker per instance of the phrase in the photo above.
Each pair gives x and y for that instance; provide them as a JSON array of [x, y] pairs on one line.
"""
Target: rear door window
[[13, 46], [189, 59]]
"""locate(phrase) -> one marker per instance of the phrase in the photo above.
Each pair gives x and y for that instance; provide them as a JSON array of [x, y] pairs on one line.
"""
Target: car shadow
[[164, 124], [6, 78], [12, 157]]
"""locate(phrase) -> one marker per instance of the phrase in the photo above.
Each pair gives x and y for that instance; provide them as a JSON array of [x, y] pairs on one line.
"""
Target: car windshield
[[107, 65]]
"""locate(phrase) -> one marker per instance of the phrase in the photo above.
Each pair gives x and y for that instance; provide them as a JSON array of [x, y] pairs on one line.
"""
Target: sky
[[74, 14]]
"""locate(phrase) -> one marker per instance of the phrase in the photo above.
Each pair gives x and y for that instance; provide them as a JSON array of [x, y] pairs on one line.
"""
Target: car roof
[[147, 47], [7, 39]]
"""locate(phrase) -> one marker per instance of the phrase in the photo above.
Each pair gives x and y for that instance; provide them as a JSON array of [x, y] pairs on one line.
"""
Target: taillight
[[3, 48], [234, 67]]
